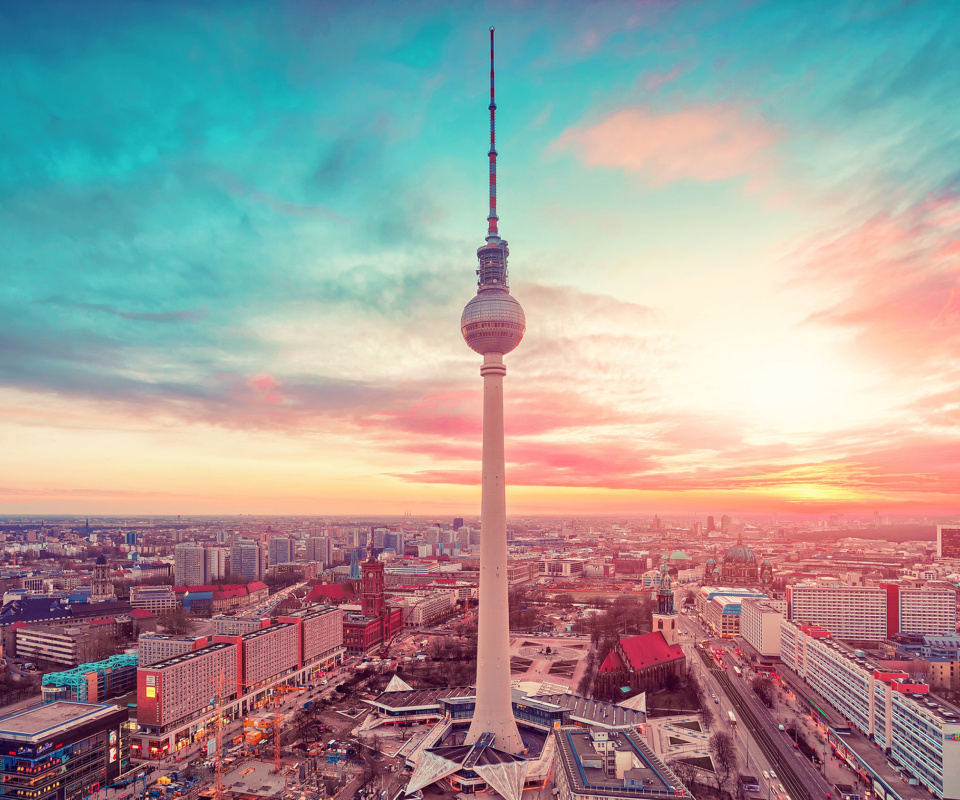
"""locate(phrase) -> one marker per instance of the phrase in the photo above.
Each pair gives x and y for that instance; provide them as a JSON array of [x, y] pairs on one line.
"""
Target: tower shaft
[[494, 709]]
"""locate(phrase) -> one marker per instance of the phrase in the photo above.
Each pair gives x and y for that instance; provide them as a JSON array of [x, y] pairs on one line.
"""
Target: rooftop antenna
[[492, 218]]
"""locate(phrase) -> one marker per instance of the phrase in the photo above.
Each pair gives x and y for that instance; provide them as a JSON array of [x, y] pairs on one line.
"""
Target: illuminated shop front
[[62, 750]]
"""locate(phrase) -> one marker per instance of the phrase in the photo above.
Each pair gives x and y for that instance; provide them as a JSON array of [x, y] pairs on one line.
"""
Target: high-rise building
[[948, 541], [320, 549], [245, 560], [493, 324], [216, 563], [457, 523], [874, 612], [189, 565], [281, 550], [711, 525]]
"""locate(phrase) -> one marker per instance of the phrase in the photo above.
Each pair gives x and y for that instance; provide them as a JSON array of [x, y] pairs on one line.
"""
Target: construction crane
[[277, 755]]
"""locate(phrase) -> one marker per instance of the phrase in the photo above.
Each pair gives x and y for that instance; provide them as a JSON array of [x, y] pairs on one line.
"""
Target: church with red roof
[[643, 662]]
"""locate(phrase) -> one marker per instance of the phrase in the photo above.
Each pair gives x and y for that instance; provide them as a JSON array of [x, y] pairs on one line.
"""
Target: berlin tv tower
[[493, 324]]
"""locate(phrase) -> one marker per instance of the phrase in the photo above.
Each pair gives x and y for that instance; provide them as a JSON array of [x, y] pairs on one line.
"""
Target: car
[[773, 774], [766, 775]]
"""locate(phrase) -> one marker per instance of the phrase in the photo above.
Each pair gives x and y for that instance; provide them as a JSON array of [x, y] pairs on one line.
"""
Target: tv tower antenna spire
[[492, 217]]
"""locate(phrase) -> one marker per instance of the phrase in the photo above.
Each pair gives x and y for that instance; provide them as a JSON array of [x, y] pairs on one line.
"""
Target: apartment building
[[918, 730], [280, 550], [189, 565], [156, 599], [760, 625], [928, 611], [561, 567], [320, 549], [155, 647], [236, 626], [425, 606], [868, 613], [174, 695], [848, 612], [66, 645], [245, 560], [217, 558], [948, 541]]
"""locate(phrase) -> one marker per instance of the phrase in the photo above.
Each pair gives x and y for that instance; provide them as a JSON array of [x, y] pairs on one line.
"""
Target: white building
[[155, 647], [561, 567], [189, 565], [921, 730], [872, 613], [848, 612], [930, 611], [760, 625], [216, 564], [155, 599]]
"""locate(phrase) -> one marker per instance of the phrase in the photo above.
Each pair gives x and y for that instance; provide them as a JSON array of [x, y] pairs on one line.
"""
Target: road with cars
[[789, 776]]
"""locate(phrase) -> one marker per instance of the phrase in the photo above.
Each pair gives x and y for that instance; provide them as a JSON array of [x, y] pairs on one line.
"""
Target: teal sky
[[236, 239]]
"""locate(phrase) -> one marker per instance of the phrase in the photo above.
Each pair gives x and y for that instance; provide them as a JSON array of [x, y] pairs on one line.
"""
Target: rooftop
[[583, 709], [580, 751], [254, 778], [41, 721], [199, 653]]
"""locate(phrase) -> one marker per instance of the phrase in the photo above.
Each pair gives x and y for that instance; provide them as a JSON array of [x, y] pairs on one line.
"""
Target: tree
[[765, 690], [100, 645], [176, 621], [686, 772], [672, 682], [376, 745], [725, 760], [706, 717]]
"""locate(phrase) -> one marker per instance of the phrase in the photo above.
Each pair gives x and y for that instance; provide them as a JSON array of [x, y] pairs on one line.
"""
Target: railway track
[[786, 772]]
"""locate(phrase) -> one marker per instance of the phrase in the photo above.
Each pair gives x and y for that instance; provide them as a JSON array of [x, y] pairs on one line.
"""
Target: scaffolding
[[116, 676]]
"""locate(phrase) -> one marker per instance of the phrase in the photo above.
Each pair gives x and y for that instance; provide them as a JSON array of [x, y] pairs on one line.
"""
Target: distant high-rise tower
[[281, 550], [320, 549], [189, 565], [493, 324], [711, 525], [216, 563], [245, 560], [457, 523]]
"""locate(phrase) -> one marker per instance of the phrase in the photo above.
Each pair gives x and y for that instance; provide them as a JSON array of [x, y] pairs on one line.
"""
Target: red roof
[[256, 586], [141, 613], [648, 650], [331, 591], [612, 663]]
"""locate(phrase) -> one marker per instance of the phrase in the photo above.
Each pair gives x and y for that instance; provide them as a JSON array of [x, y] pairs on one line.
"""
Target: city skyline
[[236, 240]]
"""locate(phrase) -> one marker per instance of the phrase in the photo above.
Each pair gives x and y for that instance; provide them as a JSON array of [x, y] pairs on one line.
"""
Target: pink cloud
[[653, 81], [702, 143], [897, 280]]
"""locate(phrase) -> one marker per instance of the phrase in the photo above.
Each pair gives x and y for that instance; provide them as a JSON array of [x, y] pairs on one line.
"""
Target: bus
[[733, 719], [738, 672]]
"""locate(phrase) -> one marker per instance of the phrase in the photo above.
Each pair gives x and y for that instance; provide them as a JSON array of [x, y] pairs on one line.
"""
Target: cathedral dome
[[739, 554], [101, 560]]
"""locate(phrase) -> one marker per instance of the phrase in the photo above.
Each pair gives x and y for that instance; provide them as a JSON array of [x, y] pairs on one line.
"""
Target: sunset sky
[[236, 238]]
